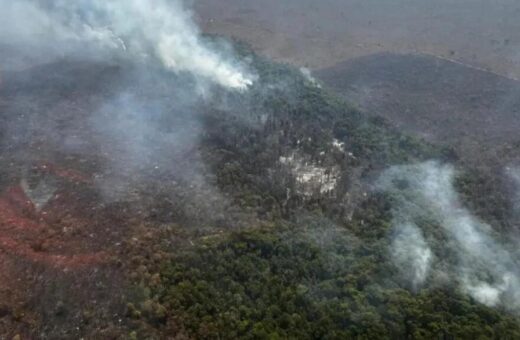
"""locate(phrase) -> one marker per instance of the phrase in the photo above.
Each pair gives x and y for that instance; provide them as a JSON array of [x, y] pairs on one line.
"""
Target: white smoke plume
[[486, 269], [411, 253], [158, 29], [309, 77], [514, 174]]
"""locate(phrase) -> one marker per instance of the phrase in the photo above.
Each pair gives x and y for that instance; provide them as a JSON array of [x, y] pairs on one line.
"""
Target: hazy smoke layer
[[514, 175], [485, 269], [141, 28], [411, 253]]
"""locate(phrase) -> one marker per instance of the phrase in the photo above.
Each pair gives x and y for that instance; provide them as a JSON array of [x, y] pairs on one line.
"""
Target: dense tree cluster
[[312, 280], [306, 267]]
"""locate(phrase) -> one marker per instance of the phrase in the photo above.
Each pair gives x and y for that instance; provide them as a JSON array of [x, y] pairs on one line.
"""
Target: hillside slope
[[143, 210], [474, 111]]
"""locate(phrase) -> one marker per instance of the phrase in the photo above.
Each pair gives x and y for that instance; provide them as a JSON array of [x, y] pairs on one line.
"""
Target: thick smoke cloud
[[484, 267], [143, 29], [109, 102]]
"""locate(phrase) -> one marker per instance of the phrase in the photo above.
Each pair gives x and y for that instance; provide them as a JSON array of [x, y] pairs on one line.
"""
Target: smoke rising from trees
[[411, 253], [157, 30], [425, 194]]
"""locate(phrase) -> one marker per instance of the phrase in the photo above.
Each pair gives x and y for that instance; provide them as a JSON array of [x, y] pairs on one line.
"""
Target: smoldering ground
[[123, 87], [124, 115], [113, 102]]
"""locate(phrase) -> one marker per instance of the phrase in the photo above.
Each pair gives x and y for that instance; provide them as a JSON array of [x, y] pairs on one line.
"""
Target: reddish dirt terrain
[[53, 254], [70, 215], [26, 230]]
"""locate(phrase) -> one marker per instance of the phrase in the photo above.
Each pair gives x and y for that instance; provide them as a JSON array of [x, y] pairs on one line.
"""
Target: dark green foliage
[[321, 270], [314, 282], [282, 114]]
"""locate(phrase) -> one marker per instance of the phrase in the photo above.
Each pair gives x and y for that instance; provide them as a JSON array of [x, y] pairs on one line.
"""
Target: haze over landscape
[[275, 169], [318, 35]]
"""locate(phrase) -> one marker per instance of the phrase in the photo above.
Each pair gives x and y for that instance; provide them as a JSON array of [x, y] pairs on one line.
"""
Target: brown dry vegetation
[[321, 34]]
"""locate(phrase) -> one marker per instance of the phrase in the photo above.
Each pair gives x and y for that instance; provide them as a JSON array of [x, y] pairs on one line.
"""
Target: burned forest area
[[186, 196]]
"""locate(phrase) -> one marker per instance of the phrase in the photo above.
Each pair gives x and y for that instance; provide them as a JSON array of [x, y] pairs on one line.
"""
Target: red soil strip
[[69, 174], [14, 204], [22, 227], [12, 247]]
